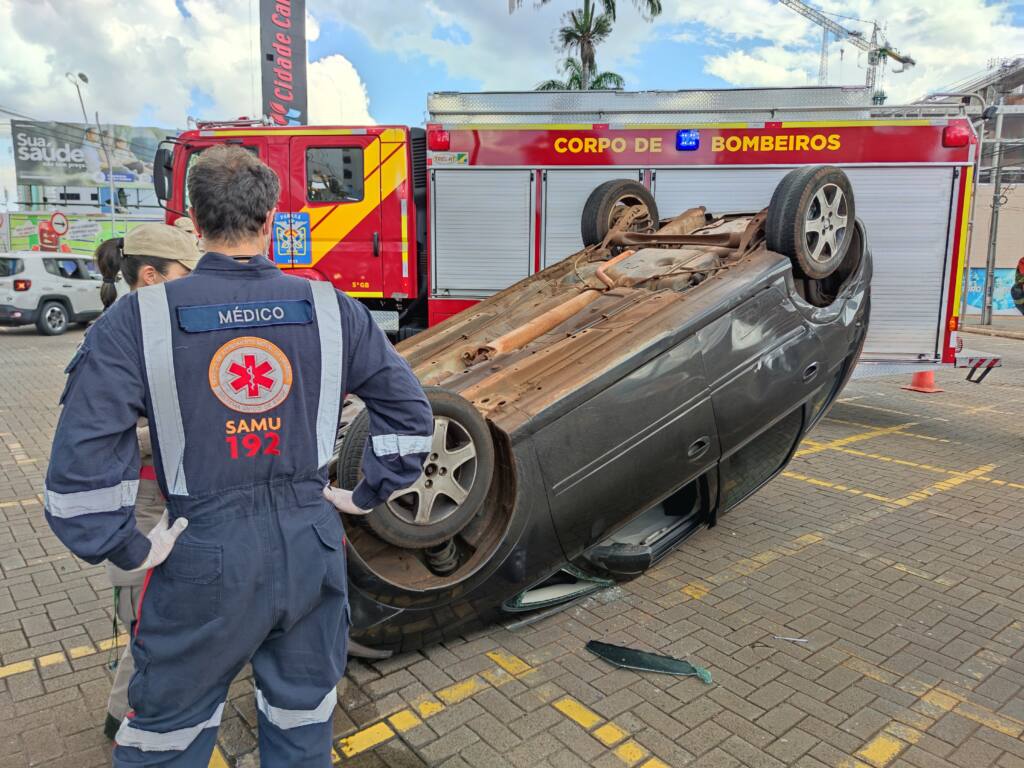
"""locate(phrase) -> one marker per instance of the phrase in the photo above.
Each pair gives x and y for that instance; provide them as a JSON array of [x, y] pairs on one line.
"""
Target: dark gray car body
[[651, 390]]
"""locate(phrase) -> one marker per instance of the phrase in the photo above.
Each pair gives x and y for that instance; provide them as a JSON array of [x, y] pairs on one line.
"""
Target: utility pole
[[76, 81], [993, 234], [110, 177]]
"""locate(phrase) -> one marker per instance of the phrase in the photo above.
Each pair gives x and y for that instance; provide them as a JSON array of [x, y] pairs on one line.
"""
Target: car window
[[10, 267], [72, 269], [50, 265], [334, 174], [90, 269]]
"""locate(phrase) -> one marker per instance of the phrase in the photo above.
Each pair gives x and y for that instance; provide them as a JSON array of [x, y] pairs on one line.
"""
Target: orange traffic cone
[[923, 381]]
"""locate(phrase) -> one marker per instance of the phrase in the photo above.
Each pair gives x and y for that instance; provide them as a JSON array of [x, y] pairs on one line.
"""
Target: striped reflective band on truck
[[403, 445], [286, 719], [158, 351], [171, 741], [328, 322], [65, 505]]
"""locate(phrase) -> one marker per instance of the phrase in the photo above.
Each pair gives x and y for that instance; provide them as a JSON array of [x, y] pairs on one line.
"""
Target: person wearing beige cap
[[147, 255]]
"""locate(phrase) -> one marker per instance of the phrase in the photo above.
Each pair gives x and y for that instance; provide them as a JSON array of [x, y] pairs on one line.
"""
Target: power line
[[72, 130]]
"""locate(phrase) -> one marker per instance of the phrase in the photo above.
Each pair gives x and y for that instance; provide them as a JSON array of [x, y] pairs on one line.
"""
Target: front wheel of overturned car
[[452, 487], [609, 201], [811, 218]]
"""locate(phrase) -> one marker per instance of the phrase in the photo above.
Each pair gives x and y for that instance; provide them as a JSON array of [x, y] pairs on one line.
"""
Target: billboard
[[283, 60], [1002, 301], [64, 233], [72, 154]]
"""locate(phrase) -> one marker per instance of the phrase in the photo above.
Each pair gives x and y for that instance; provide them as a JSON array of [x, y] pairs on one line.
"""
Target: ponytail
[[111, 260]]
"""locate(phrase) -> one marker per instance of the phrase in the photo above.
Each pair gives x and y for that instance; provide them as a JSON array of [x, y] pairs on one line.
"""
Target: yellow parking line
[[367, 738], [630, 752], [849, 439], [835, 486], [918, 435], [943, 485], [609, 734], [623, 746], [6, 504], [453, 694], [404, 721], [17, 668], [511, 664], [511, 667], [51, 659], [696, 590], [583, 716]]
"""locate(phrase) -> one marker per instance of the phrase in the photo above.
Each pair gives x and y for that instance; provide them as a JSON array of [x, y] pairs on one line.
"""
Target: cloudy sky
[[156, 62]]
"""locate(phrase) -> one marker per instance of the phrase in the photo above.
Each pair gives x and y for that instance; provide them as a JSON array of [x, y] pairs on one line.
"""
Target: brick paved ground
[[894, 544]]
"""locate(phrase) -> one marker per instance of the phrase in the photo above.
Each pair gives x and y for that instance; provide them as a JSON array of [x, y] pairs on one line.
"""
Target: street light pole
[[76, 81]]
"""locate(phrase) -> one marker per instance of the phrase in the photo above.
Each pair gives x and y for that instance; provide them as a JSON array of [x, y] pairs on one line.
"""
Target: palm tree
[[573, 70], [585, 28], [647, 9]]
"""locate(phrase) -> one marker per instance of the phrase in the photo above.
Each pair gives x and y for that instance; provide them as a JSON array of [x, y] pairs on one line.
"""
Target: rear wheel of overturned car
[[609, 201], [811, 218], [452, 487]]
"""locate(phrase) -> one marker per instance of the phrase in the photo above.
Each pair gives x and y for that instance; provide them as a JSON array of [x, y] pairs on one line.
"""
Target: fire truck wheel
[[810, 219], [607, 202], [454, 483]]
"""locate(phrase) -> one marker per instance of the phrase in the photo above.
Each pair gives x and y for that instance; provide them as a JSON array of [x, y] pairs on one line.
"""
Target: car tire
[[462, 427], [811, 218], [350, 456], [600, 210], [53, 319]]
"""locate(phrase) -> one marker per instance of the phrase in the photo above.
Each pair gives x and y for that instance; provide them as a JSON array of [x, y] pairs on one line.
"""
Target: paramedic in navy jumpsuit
[[240, 370]]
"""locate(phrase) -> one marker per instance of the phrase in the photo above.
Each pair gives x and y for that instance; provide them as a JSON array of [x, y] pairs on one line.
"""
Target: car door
[[763, 360], [334, 223], [87, 288], [631, 445]]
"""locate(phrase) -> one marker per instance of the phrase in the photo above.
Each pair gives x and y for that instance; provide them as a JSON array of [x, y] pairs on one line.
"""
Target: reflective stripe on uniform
[[158, 350], [403, 445], [176, 741], [110, 499], [328, 322], [286, 719]]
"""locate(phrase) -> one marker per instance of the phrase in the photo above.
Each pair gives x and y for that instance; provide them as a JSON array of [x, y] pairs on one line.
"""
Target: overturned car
[[591, 417]]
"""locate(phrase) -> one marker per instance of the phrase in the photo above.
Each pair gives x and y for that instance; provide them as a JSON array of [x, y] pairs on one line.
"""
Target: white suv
[[49, 289]]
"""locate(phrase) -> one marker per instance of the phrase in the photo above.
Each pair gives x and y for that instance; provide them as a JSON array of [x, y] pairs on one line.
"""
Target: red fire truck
[[421, 224]]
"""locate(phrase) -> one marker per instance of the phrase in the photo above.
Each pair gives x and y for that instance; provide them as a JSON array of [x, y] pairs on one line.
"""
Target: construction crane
[[877, 51]]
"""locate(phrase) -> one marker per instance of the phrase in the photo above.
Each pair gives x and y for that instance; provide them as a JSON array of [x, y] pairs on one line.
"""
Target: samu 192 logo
[[291, 239], [250, 375]]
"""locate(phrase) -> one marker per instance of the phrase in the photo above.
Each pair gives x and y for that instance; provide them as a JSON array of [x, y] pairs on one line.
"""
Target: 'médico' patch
[[252, 314]]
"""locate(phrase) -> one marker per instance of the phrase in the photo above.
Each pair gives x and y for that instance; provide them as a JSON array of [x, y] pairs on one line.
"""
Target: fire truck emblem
[[291, 239], [250, 375]]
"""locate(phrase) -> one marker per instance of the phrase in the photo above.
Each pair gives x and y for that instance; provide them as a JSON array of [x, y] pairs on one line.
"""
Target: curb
[[989, 332]]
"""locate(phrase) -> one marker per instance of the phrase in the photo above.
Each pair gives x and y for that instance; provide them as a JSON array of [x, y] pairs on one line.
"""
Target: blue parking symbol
[[291, 239]]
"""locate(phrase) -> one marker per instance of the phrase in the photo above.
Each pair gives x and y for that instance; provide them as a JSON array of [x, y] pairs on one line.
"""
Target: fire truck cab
[[351, 208], [422, 224]]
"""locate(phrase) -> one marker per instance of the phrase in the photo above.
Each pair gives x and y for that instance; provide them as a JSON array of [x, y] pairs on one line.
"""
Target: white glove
[[342, 501], [161, 540]]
